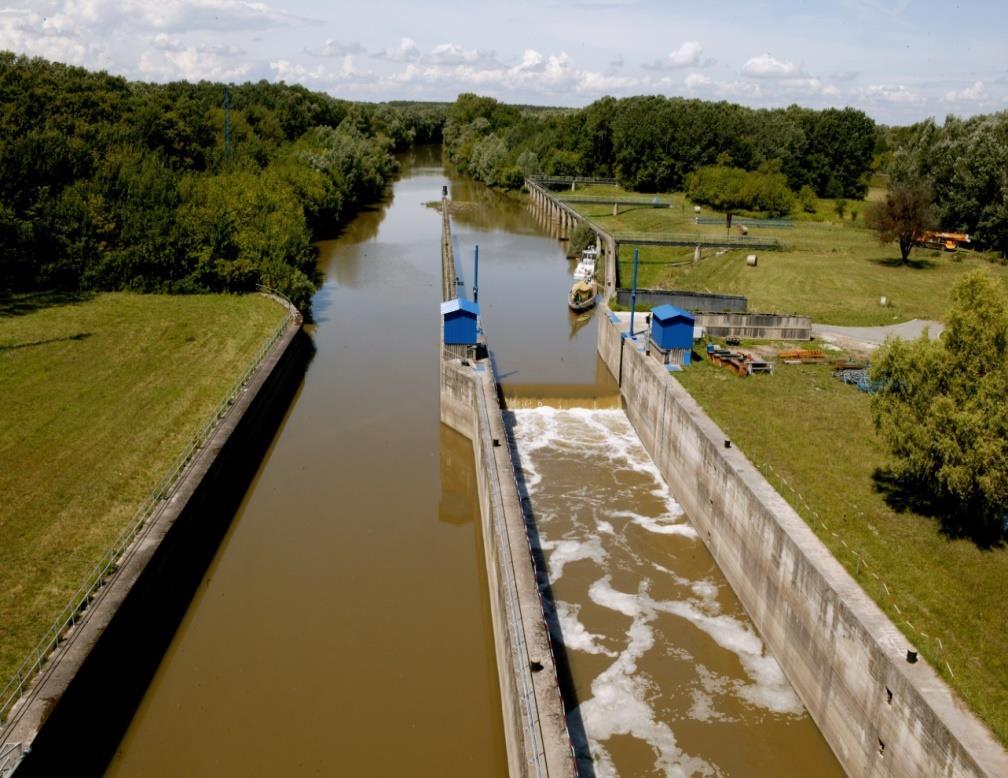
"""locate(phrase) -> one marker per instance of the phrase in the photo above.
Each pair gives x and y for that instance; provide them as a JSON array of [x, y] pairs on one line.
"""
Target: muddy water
[[670, 675], [343, 626]]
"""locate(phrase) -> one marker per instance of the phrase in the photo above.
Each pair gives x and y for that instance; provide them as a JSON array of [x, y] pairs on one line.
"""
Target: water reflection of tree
[[493, 211]]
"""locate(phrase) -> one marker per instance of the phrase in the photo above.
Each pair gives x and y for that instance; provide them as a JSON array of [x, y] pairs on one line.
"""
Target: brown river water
[[343, 627]]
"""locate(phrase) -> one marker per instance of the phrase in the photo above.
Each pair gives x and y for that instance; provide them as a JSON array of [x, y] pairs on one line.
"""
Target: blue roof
[[460, 303], [666, 312]]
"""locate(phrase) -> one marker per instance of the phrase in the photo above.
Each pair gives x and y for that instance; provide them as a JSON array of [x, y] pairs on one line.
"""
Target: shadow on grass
[[29, 344], [21, 303], [912, 264], [956, 521]]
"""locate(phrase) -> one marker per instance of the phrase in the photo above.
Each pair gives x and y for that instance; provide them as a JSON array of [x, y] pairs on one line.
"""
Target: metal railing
[[697, 239], [10, 756], [648, 202], [544, 180], [106, 566]]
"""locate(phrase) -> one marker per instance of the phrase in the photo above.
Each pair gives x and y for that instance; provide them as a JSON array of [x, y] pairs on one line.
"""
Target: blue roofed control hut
[[672, 334], [459, 320]]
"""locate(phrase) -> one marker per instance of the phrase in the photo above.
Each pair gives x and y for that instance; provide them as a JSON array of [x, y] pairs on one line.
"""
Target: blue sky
[[898, 60]]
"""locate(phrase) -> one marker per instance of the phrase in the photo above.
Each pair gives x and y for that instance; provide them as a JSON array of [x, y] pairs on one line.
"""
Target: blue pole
[[476, 276], [633, 293]]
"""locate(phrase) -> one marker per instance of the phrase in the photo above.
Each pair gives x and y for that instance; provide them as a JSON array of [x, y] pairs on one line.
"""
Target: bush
[[807, 199]]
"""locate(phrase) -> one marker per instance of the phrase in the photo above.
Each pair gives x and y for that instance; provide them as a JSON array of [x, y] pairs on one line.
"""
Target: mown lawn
[[812, 435], [832, 270], [100, 396]]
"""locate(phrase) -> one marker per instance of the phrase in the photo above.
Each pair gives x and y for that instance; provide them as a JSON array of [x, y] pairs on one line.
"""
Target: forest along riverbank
[[670, 675]]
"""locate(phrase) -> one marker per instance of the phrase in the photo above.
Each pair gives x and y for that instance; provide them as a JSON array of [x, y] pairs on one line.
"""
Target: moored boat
[[581, 296], [585, 271]]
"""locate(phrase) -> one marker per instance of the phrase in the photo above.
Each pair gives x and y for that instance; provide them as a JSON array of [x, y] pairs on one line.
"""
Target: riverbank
[[832, 269], [102, 395]]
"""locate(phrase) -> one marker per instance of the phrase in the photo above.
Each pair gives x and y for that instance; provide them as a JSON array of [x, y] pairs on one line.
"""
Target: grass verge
[[101, 395], [833, 269], [812, 436]]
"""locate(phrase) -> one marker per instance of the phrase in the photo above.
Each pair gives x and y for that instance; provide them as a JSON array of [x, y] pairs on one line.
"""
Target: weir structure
[[535, 728], [883, 710]]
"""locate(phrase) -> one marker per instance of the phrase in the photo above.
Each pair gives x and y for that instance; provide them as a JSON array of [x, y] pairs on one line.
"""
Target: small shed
[[459, 319], [672, 331]]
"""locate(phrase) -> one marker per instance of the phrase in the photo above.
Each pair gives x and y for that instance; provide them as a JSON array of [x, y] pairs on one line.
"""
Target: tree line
[[111, 184], [964, 164], [652, 144]]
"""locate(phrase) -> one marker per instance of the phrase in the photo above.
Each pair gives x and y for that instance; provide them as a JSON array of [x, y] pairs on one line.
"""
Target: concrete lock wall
[[77, 710], [848, 663], [535, 729], [772, 326], [689, 301]]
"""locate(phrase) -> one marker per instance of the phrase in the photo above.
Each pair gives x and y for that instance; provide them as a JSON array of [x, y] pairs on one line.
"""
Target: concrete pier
[[535, 727]]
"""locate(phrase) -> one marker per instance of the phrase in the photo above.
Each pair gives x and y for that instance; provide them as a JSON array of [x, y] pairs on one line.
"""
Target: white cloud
[[697, 80], [337, 48], [27, 32], [190, 64], [972, 93], [765, 66], [167, 15], [406, 51], [456, 54], [321, 75], [890, 93], [689, 54], [547, 75]]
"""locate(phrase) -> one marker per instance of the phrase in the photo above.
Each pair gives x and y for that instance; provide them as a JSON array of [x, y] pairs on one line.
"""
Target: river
[[343, 626]]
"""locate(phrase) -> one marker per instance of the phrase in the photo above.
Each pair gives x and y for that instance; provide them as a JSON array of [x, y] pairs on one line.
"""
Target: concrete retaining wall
[[535, 729], [771, 326], [689, 301], [79, 707], [880, 714]]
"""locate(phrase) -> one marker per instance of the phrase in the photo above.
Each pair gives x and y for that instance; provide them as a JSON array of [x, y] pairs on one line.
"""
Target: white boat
[[585, 271], [581, 296]]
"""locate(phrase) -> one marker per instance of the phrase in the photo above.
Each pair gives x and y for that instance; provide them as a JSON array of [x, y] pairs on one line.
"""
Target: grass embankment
[[832, 270], [100, 396], [817, 436]]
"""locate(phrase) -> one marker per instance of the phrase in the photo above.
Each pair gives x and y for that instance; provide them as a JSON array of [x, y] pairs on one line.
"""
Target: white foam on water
[[770, 689], [563, 552], [667, 524], [590, 530], [574, 634], [710, 685], [619, 702]]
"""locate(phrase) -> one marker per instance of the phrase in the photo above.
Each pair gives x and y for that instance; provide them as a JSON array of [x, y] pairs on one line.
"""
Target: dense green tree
[[906, 213], [731, 190], [108, 184], [941, 408]]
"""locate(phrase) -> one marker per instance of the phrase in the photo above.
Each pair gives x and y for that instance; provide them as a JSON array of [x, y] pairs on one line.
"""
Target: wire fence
[[106, 566], [930, 645]]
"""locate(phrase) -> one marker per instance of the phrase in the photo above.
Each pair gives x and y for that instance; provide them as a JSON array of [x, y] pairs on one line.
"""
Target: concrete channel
[[883, 710]]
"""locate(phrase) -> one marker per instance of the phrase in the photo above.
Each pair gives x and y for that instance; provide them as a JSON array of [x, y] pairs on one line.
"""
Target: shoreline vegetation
[[109, 184]]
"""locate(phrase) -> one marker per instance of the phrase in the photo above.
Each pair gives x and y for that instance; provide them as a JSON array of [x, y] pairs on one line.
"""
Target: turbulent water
[[669, 675]]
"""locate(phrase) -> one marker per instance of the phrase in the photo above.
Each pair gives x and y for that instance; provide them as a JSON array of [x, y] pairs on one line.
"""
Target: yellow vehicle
[[950, 241]]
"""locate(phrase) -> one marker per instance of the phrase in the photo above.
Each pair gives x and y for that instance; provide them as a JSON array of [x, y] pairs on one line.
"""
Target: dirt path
[[872, 337]]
